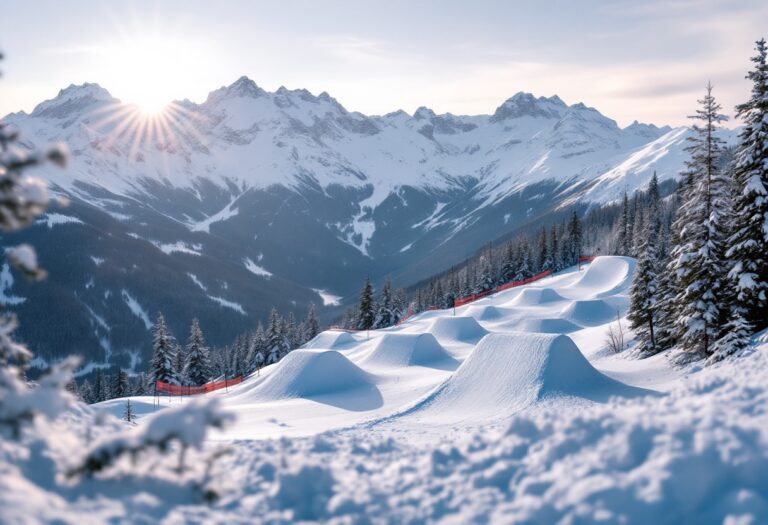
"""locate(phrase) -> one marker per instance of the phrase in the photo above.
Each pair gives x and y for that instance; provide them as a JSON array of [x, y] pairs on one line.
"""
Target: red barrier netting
[[470, 298], [465, 300], [181, 390]]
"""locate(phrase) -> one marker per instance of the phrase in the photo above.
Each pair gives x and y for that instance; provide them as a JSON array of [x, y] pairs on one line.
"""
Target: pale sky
[[630, 59]]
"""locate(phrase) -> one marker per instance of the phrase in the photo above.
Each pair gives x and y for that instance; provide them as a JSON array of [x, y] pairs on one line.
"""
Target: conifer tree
[[119, 387], [273, 337], [285, 337], [366, 314], [699, 259], [554, 250], [575, 239], [623, 239], [162, 366], [86, 392], [258, 352], [128, 414], [749, 240], [385, 315], [179, 363], [198, 370], [311, 324], [101, 388], [643, 310], [544, 260]]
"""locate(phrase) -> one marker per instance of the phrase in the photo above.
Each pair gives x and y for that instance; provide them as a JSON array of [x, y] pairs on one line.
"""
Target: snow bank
[[310, 373], [331, 340], [590, 312], [507, 372], [536, 297], [397, 350], [461, 329]]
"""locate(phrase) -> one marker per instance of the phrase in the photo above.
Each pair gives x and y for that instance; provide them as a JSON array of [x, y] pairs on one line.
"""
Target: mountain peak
[[72, 99], [243, 87], [424, 113], [524, 104]]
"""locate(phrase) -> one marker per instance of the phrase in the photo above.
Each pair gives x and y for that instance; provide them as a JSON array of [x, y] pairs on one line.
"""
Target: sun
[[148, 72]]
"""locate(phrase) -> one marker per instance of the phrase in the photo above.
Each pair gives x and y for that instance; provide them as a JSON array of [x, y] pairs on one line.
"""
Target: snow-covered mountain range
[[252, 199]]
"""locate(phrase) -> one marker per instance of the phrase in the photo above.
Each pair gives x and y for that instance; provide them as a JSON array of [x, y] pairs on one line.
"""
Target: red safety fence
[[470, 298], [182, 390], [513, 284]]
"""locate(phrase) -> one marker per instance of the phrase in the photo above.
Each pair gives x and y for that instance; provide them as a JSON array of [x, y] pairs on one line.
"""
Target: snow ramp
[[312, 373], [331, 340], [536, 297], [605, 276], [457, 329], [485, 313], [545, 326], [508, 372], [399, 350], [590, 312]]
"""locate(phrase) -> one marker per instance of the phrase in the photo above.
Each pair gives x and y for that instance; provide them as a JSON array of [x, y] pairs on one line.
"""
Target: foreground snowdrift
[[697, 455]]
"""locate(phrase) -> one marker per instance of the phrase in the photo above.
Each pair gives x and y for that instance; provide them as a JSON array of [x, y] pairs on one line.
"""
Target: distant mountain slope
[[252, 199]]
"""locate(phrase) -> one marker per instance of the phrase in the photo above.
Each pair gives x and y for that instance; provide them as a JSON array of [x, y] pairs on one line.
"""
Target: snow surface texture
[[517, 426]]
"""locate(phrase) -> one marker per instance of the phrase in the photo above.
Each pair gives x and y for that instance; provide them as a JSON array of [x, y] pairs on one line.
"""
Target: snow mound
[[396, 350], [536, 296], [508, 372], [485, 313], [310, 373], [463, 329], [331, 340], [605, 276], [546, 326], [590, 312]]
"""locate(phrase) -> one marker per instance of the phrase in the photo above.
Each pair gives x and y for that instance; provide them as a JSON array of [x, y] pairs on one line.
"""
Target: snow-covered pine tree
[[623, 235], [643, 308], [554, 250], [258, 351], [699, 261], [366, 314], [86, 392], [274, 346], [162, 366], [638, 232], [198, 370], [749, 240], [508, 266], [180, 362], [101, 387], [311, 324], [400, 304], [524, 267], [575, 239], [384, 314], [129, 416], [119, 387], [285, 337]]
